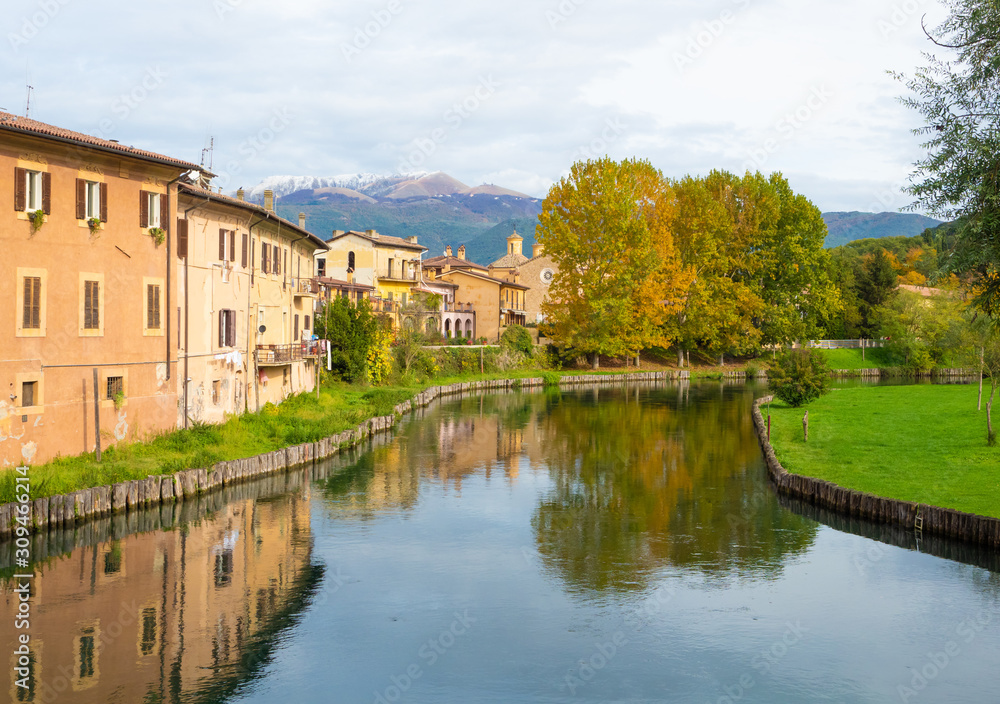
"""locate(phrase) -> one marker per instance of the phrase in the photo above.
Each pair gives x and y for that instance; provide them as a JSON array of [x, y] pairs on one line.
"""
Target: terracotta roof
[[453, 262], [192, 190], [510, 261], [484, 277], [387, 240], [327, 281], [24, 125]]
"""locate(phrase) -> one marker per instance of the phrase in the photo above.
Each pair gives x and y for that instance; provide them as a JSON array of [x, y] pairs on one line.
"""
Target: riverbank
[[302, 415], [921, 444]]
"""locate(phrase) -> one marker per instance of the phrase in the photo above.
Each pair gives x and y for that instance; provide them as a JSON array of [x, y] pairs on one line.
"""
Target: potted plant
[[158, 234], [37, 220], [94, 224]]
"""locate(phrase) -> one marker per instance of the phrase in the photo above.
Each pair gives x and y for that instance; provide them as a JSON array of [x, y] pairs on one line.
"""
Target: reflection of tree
[[643, 483]]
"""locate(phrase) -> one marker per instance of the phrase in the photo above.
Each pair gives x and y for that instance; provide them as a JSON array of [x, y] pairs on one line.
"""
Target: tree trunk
[[680, 356], [722, 360], [595, 360], [637, 360], [991, 438], [979, 403]]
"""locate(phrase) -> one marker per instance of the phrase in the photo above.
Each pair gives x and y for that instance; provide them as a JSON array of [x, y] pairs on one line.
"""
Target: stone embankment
[[64, 510], [912, 516]]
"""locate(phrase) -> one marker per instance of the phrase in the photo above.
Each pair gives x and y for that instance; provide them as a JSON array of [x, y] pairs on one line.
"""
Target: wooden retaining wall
[[895, 372], [65, 510], [934, 520]]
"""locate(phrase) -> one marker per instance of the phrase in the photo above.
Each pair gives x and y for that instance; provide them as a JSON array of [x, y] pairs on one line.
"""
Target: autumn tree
[[606, 227], [876, 288]]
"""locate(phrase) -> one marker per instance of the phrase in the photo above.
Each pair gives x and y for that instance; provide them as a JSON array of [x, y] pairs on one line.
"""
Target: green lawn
[[875, 358], [915, 443]]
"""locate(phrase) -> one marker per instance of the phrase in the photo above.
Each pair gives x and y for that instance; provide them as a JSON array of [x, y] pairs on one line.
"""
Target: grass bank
[[300, 419], [875, 358], [914, 443]]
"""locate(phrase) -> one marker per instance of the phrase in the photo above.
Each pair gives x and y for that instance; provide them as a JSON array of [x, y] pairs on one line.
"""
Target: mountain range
[[441, 210]]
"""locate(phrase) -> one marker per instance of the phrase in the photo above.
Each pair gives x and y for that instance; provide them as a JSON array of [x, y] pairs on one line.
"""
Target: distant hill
[[847, 227]]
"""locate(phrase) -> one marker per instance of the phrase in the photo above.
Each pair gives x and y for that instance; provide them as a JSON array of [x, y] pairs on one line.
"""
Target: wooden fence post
[[97, 417], [805, 426]]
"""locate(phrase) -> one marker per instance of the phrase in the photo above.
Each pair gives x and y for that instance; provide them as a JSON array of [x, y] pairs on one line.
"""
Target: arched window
[[350, 262], [468, 328], [447, 328]]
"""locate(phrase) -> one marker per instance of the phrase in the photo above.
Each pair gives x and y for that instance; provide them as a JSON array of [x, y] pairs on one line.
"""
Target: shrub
[[517, 338], [799, 376]]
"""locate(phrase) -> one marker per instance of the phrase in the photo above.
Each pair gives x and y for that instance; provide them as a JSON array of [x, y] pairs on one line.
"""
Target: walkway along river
[[605, 544]]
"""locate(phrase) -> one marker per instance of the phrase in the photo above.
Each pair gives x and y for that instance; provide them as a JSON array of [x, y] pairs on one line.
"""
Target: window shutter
[[182, 238], [143, 208], [264, 248], [164, 211], [243, 255], [149, 306], [222, 328], [46, 192], [26, 310], [295, 329], [222, 245], [277, 259], [81, 199], [232, 245], [20, 189], [104, 202], [231, 329]]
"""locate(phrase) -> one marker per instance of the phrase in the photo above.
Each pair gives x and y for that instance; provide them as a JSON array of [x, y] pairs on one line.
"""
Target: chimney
[[338, 233], [537, 249], [412, 239], [302, 220], [269, 200], [241, 195], [431, 274], [372, 234], [447, 251], [461, 252]]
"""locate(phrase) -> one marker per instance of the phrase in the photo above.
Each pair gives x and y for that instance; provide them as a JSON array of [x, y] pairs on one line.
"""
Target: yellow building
[[247, 300], [88, 238], [497, 303], [390, 264]]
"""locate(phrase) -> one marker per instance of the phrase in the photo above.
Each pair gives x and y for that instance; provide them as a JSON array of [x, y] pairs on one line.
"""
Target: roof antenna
[[27, 107], [210, 150]]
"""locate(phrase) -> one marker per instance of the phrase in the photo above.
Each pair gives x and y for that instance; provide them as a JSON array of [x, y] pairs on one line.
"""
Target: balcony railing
[[396, 275], [276, 355], [381, 305], [305, 287]]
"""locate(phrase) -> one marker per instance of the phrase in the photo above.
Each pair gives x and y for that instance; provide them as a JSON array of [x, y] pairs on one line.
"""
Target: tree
[[610, 290], [959, 99], [352, 331], [799, 376], [876, 287]]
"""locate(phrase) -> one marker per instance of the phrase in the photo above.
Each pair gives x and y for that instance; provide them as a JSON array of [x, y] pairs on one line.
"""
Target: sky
[[506, 93]]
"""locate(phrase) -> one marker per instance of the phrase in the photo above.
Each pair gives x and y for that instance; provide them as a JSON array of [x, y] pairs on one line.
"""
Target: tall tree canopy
[[959, 99]]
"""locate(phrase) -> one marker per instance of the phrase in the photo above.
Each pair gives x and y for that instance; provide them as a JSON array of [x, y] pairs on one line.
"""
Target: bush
[[799, 376], [517, 338]]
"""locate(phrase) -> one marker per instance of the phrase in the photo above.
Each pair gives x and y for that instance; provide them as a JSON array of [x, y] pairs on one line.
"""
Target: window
[[113, 559], [32, 190], [91, 305], [244, 250], [295, 329], [86, 653], [403, 298], [265, 251], [153, 306], [114, 387], [28, 393], [32, 318], [227, 328], [94, 196], [350, 262], [227, 245], [216, 392], [224, 568], [277, 259], [150, 209], [306, 326], [182, 238], [321, 267]]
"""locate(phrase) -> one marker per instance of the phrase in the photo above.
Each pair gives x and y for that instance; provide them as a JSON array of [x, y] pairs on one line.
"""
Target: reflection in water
[[183, 614]]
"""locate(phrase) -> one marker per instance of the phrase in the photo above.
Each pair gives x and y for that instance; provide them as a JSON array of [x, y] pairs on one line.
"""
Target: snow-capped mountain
[[368, 184]]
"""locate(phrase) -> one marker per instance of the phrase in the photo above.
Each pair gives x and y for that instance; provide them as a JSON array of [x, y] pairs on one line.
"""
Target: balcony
[[397, 274], [305, 288], [280, 355], [381, 305]]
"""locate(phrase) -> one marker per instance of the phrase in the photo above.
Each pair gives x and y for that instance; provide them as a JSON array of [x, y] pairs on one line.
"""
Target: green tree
[[959, 99], [799, 376], [876, 286], [517, 338], [596, 225], [352, 331]]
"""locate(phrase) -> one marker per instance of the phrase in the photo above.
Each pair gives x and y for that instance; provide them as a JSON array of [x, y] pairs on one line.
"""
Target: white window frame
[[92, 200], [32, 191], [153, 209]]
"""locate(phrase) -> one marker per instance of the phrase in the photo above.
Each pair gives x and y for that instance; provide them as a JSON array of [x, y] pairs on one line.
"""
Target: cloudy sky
[[509, 93]]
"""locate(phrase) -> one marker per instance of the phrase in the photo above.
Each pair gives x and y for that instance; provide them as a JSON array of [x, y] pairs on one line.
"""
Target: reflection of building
[[84, 278], [158, 616]]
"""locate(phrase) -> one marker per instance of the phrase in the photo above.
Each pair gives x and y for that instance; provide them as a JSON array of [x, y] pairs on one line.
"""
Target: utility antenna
[[27, 106], [210, 150]]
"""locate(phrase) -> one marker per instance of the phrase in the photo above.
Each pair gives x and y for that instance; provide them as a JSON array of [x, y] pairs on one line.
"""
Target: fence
[[844, 344]]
